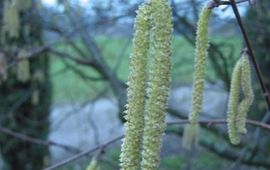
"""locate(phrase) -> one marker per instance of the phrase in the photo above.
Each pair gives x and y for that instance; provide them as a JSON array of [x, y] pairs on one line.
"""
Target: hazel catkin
[[131, 147], [198, 77], [93, 165], [159, 82], [233, 104], [247, 93]]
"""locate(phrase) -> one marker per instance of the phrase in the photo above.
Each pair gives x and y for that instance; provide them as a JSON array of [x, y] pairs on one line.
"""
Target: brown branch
[[221, 121], [37, 141], [251, 53], [103, 146], [217, 3], [75, 157]]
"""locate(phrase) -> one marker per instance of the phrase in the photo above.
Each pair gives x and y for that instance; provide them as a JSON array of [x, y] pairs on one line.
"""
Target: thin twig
[[75, 157], [37, 141], [251, 53], [217, 3]]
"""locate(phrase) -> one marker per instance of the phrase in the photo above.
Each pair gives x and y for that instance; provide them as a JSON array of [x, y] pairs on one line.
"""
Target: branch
[[217, 3], [75, 157], [37, 141], [103, 146], [221, 121], [252, 55]]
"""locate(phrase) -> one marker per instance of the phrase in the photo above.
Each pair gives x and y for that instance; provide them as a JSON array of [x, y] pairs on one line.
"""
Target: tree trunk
[[24, 103]]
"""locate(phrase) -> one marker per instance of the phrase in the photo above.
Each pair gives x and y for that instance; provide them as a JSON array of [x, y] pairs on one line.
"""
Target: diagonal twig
[[33, 140]]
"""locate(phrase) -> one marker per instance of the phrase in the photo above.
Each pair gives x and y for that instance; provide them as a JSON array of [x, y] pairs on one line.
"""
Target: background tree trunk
[[24, 106]]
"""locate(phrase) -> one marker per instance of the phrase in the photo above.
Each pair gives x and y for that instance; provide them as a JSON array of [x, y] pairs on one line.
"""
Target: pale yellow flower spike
[[23, 70], [131, 147], [159, 83], [11, 19], [233, 104], [247, 92], [93, 165], [201, 53], [200, 61]]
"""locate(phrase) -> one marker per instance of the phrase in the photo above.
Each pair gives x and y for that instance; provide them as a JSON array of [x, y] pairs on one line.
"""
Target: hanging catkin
[[237, 113], [23, 67], [93, 165], [11, 19], [233, 104], [159, 83], [247, 93], [131, 147], [35, 97], [23, 4], [201, 53], [3, 67]]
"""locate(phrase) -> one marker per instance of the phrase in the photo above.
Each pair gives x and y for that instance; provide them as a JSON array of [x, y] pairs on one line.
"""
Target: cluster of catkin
[[237, 110], [241, 81], [11, 28], [145, 119]]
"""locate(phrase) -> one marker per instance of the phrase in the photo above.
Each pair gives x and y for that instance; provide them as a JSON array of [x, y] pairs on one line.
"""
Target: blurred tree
[[25, 87]]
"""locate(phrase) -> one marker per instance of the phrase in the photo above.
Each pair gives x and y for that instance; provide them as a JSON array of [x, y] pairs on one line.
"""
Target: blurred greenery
[[72, 87]]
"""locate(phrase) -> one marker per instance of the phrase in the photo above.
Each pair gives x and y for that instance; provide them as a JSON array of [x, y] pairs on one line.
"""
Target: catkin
[[23, 67], [237, 112], [130, 152], [201, 53], [159, 83], [23, 70], [190, 134], [200, 61], [247, 93], [233, 104], [23, 5], [93, 165], [35, 97], [11, 19]]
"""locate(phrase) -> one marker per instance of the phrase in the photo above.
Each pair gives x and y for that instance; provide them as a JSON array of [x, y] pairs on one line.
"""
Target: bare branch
[[251, 54], [103, 146], [37, 141], [75, 157], [217, 3]]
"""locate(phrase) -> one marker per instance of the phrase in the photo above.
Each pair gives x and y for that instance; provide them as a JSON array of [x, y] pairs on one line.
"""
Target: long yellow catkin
[[23, 70], [247, 93], [131, 147], [11, 19], [93, 165], [233, 104], [159, 83], [191, 131]]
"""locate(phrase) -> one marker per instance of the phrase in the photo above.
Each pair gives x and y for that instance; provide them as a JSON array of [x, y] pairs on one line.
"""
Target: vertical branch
[[251, 53]]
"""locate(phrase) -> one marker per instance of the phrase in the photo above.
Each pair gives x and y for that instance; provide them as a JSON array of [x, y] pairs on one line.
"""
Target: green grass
[[68, 86]]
